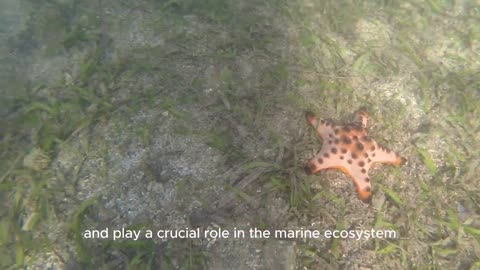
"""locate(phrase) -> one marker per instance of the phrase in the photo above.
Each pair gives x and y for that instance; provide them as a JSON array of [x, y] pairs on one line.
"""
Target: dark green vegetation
[[167, 114]]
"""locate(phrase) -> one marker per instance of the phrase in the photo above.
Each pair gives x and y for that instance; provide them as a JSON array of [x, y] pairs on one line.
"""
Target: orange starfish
[[349, 149]]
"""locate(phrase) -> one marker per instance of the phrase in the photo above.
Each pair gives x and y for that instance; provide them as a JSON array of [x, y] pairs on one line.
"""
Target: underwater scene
[[230, 134]]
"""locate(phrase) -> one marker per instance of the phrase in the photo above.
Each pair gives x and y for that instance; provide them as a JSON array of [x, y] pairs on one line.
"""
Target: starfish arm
[[361, 116], [324, 128], [362, 183], [386, 156], [356, 169], [325, 160]]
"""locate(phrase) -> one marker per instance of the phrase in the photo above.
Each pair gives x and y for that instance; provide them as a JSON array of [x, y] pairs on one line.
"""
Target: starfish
[[350, 149]]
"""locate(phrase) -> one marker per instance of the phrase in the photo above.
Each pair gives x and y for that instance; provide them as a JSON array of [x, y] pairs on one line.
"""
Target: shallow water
[[162, 115]]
